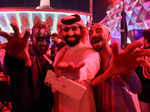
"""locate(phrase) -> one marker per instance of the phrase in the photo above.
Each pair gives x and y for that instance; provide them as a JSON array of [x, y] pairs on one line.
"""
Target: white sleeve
[[91, 67]]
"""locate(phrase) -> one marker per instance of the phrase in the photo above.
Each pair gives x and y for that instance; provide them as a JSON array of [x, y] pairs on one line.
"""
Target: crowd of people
[[116, 80]]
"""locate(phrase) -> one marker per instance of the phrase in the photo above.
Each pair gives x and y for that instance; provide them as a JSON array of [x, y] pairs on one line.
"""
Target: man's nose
[[70, 32]]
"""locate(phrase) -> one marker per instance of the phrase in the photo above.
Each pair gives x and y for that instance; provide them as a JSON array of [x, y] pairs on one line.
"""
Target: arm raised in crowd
[[123, 61], [17, 45]]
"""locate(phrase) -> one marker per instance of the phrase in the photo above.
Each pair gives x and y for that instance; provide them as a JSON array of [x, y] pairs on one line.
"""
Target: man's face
[[41, 41], [42, 44], [97, 39], [54, 39], [71, 34]]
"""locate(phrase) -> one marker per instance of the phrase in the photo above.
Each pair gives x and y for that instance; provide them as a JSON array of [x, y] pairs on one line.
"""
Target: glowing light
[[137, 16], [30, 14], [8, 23], [30, 19], [128, 40], [18, 20], [55, 23], [43, 16]]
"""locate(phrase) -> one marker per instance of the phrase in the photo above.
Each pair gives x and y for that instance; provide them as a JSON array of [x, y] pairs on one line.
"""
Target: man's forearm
[[102, 77]]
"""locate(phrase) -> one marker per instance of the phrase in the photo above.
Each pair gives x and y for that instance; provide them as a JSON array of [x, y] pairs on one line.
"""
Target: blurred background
[[107, 12], [99, 8]]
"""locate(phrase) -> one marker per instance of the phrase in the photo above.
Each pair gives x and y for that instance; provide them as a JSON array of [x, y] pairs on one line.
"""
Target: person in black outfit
[[144, 74], [58, 43], [27, 68]]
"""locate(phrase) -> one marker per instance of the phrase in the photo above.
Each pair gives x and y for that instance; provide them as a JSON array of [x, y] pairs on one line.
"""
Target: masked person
[[27, 69], [77, 62], [116, 84]]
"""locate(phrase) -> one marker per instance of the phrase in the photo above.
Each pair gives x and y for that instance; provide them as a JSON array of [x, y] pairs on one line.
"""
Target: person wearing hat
[[27, 68], [116, 85], [76, 61]]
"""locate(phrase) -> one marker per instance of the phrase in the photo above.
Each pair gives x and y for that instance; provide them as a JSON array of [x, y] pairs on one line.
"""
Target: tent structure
[[137, 16]]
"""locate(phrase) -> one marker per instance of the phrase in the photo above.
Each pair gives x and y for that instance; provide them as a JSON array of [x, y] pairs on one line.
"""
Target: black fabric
[[55, 48], [76, 18], [145, 94], [4, 91], [24, 96]]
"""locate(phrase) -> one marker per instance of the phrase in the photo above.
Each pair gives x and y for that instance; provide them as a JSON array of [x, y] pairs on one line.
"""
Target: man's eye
[[66, 29], [74, 28], [96, 40]]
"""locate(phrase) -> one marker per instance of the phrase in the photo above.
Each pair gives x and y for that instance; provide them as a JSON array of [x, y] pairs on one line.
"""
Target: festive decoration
[[137, 16], [27, 17]]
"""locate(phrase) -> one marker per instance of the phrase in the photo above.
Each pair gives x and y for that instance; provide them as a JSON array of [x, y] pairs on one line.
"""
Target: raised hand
[[16, 45], [123, 61], [127, 60]]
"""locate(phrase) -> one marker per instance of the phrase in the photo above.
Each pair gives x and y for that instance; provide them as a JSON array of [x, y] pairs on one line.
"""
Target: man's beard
[[72, 43]]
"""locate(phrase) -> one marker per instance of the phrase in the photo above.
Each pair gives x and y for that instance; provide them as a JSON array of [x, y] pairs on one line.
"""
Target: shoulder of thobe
[[60, 54]]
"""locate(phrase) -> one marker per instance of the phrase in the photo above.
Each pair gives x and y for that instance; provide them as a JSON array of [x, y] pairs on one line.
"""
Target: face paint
[[41, 38], [98, 37]]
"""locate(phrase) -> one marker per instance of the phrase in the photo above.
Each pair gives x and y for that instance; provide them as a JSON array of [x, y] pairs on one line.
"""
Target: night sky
[[99, 6]]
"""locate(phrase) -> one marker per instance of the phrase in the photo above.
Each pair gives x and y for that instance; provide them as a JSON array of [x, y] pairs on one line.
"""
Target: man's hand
[[128, 59], [123, 61], [16, 45], [70, 67]]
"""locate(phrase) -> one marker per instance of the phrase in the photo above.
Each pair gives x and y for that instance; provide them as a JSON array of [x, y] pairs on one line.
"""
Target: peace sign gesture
[[17, 45]]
